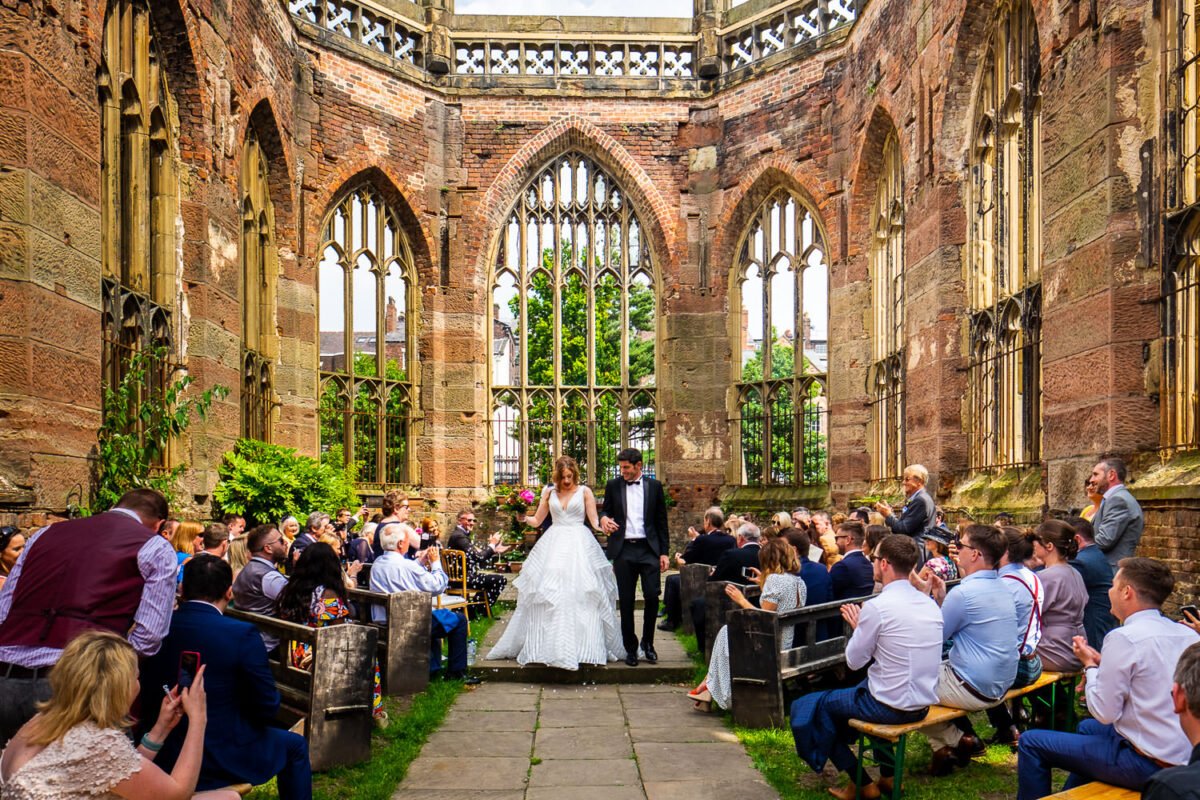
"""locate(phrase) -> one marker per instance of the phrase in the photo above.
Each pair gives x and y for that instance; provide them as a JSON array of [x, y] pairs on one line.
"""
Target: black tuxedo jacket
[[729, 565], [654, 504], [707, 548]]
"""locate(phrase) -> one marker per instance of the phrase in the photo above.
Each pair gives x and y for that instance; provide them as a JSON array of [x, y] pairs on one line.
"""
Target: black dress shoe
[[968, 746], [943, 761], [649, 652], [631, 659], [1009, 735], [666, 626]]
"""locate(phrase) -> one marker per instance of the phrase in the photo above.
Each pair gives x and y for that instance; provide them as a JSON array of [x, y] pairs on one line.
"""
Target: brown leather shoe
[[885, 785], [968, 746], [868, 791], [943, 762]]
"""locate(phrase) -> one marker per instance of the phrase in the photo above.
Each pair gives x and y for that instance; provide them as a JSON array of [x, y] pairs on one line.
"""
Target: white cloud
[[594, 8]]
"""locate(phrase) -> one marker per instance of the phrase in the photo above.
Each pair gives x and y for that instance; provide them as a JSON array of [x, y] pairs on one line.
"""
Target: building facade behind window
[[782, 411], [139, 205], [887, 334], [260, 267], [574, 328], [365, 291], [1004, 291]]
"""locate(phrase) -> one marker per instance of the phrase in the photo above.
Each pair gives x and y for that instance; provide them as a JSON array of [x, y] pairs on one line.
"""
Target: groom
[[635, 518]]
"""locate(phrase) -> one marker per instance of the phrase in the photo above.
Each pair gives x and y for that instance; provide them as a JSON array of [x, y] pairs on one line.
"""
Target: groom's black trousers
[[637, 560]]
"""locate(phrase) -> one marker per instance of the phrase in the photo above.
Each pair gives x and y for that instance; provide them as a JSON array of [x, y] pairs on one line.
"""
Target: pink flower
[[526, 496]]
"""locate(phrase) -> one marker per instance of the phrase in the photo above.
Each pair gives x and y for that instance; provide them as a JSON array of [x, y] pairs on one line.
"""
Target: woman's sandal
[[701, 700]]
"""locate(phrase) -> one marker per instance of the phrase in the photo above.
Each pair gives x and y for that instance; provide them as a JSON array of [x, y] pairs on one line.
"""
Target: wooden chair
[[454, 562]]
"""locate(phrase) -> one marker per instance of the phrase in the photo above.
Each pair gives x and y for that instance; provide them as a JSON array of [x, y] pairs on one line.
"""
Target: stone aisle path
[[510, 741]]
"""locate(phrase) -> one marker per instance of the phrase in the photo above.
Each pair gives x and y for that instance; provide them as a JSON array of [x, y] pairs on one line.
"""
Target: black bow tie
[[633, 483]]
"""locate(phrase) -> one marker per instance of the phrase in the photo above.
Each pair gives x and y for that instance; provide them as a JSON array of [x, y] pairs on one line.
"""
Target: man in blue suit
[[240, 744], [816, 581], [853, 576]]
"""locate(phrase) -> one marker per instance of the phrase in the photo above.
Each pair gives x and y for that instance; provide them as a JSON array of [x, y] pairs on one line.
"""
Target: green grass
[[411, 722]]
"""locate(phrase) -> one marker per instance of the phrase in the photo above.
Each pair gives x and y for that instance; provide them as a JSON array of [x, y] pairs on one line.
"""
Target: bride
[[567, 594]]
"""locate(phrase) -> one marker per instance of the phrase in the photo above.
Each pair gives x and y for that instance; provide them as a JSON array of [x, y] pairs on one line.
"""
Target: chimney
[[391, 317]]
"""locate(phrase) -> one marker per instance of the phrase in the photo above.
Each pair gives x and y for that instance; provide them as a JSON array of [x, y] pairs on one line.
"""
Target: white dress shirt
[[901, 629], [1130, 690], [635, 510]]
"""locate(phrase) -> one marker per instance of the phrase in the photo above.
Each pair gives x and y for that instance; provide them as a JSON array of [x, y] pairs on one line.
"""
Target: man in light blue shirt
[[392, 572], [980, 618]]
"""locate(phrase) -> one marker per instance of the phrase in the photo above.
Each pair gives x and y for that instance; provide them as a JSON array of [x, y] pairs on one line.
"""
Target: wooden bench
[[717, 608], [334, 695], [403, 644], [889, 742], [692, 579], [1096, 791]]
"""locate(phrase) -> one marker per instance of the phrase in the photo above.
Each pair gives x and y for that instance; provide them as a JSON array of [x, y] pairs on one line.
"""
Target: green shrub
[[266, 482]]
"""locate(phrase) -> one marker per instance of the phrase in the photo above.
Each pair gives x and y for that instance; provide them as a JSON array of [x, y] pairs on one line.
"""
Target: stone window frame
[[533, 421], [887, 372], [260, 275], [139, 205], [1004, 295], [776, 413], [358, 411]]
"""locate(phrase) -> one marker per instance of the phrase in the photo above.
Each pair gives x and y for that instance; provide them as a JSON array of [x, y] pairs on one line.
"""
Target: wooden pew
[[1096, 791], [334, 695], [717, 607], [692, 579], [403, 644]]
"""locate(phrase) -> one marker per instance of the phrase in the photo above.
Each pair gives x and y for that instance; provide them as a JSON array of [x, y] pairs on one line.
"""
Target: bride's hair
[[561, 465]]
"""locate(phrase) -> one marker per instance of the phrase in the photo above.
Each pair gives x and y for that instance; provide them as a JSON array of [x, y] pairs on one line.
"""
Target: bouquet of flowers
[[517, 501]]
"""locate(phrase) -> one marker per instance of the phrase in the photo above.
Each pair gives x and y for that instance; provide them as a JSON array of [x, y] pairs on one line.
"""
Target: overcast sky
[[596, 8]]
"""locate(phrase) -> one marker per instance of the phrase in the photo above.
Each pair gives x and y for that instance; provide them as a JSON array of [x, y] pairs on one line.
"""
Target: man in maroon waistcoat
[[107, 572]]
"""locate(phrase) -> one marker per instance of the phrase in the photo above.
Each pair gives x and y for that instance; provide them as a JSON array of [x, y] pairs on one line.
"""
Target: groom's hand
[[663, 563], [608, 525]]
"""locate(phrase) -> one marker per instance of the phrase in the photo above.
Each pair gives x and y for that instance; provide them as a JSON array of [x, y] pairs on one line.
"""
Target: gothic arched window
[[1004, 289], [782, 423], [139, 205], [260, 268], [573, 328], [887, 333], [365, 292]]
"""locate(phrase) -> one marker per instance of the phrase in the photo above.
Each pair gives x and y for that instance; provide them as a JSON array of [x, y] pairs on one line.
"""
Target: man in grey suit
[[1118, 522]]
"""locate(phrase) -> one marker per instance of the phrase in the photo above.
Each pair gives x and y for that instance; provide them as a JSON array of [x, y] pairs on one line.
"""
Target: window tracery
[[260, 267], [887, 335]]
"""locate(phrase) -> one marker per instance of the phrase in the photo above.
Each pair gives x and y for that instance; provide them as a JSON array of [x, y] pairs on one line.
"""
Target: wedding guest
[[1096, 572], [290, 528], [817, 582], [188, 540], [1133, 731], [258, 586], [238, 554], [917, 515], [235, 525], [801, 516], [431, 533], [780, 521], [705, 547], [937, 554], [782, 590], [1118, 523], [1182, 783], [77, 746], [479, 558], [1065, 596], [729, 568], [853, 575], [214, 541], [12, 542], [897, 637], [1095, 497], [315, 526], [396, 508]]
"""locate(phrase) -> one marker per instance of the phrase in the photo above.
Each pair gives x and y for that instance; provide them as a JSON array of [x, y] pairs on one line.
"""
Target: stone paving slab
[[691, 761], [590, 715], [493, 697], [597, 742], [454, 744], [710, 790], [585, 772], [436, 772], [489, 721], [457, 794], [586, 793], [684, 734]]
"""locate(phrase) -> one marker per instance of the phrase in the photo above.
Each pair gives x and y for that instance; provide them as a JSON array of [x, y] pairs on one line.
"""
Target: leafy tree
[[267, 482]]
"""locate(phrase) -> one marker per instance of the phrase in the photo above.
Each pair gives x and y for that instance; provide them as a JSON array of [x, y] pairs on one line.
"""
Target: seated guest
[[396, 508], [316, 524], [392, 572], [241, 743], [238, 554], [258, 585], [730, 567], [1096, 572], [1181, 783], [817, 583], [852, 576], [1133, 731], [782, 591], [187, 541], [479, 558], [937, 554], [315, 595], [1065, 596], [431, 533], [215, 540], [290, 528], [705, 547], [12, 542], [980, 618], [76, 746], [899, 634]]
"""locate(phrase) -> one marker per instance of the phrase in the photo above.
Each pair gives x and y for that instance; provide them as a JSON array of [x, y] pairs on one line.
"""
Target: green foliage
[[143, 414], [266, 482], [332, 414]]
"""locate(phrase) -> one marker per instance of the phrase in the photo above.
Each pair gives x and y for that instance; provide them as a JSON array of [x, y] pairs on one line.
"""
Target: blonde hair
[[90, 683], [778, 557], [239, 554], [333, 540], [561, 465], [184, 539]]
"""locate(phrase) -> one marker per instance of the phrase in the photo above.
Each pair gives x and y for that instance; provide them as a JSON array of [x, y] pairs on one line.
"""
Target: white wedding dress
[[566, 598]]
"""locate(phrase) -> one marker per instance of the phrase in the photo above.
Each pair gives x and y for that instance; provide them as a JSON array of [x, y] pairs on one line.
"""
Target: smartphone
[[1190, 612], [748, 573], [189, 665]]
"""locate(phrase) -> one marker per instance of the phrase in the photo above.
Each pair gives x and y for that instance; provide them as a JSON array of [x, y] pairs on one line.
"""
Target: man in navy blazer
[[917, 516], [817, 582], [704, 548], [853, 576], [240, 744]]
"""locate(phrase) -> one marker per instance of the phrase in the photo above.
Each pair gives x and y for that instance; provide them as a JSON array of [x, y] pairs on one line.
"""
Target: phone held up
[[748, 573], [1190, 613], [189, 665]]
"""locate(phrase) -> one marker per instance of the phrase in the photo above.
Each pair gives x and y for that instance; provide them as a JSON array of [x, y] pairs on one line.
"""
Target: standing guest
[[821, 523], [235, 525], [862, 514], [239, 554], [241, 743], [1183, 783], [126, 586], [917, 515], [898, 634], [1096, 572], [392, 572], [782, 590], [315, 595], [77, 745], [1089, 488], [937, 554], [396, 508], [705, 547], [801, 516], [780, 520], [1133, 731], [12, 542], [431, 533], [824, 535], [290, 528], [1003, 519], [479, 558], [1118, 522], [188, 540], [818, 585], [258, 586], [315, 525], [853, 575], [980, 618], [168, 529]]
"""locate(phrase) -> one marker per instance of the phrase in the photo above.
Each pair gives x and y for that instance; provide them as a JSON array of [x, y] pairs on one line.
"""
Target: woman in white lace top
[[76, 746]]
